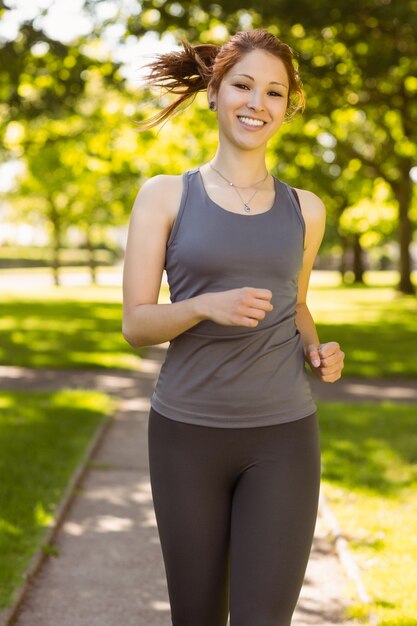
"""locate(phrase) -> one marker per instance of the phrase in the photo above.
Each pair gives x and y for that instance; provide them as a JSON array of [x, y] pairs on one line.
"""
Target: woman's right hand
[[245, 306]]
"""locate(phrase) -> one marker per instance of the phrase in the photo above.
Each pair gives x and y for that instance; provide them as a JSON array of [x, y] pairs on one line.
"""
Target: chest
[[212, 242]]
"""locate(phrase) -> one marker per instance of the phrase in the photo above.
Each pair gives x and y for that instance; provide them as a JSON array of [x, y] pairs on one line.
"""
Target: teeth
[[251, 122]]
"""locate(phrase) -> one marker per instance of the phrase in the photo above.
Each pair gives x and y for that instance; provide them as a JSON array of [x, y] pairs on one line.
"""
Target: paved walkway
[[109, 571]]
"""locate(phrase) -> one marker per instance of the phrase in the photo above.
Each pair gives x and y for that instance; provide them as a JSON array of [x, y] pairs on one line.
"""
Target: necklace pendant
[[247, 208]]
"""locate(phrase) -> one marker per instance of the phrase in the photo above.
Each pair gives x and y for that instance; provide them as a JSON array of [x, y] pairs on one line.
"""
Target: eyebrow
[[272, 82]]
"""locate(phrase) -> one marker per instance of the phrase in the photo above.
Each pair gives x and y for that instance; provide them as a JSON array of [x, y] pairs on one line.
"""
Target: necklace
[[246, 206]]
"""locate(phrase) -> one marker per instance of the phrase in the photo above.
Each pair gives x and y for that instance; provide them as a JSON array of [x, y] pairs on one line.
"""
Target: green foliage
[[66, 117], [369, 458], [186, 141], [39, 74], [43, 437], [79, 169]]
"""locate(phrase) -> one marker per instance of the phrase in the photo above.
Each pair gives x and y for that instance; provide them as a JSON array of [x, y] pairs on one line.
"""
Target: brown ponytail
[[185, 72]]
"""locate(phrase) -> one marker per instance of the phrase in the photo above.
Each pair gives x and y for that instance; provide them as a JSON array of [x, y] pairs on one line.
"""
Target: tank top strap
[[294, 203], [183, 202]]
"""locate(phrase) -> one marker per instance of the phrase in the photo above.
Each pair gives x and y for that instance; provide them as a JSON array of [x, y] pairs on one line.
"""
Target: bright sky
[[66, 20]]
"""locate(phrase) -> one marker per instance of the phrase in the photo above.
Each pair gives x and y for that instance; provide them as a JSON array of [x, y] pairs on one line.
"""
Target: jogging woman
[[233, 431]]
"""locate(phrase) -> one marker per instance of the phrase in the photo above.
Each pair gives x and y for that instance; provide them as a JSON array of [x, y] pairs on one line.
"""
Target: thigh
[[273, 518], [192, 507]]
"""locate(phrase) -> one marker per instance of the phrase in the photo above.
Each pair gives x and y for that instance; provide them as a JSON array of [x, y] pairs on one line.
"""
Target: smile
[[250, 121]]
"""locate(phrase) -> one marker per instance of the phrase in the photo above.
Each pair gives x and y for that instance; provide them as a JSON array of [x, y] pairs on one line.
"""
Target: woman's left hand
[[326, 360]]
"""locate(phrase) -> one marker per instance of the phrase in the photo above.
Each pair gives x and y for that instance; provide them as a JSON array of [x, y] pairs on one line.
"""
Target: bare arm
[[145, 322], [326, 360], [315, 219]]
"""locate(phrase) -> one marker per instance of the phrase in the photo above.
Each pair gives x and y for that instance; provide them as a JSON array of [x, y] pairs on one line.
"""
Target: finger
[[333, 359], [326, 349], [331, 379], [329, 376], [256, 313], [248, 321], [313, 355], [265, 305], [330, 371], [262, 294]]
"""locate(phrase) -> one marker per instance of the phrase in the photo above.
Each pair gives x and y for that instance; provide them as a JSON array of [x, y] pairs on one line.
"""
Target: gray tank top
[[234, 376]]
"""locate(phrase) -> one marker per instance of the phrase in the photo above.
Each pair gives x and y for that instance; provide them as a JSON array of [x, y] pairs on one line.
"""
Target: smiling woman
[[233, 433]]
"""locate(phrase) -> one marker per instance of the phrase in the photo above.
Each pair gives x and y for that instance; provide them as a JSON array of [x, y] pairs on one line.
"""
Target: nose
[[255, 102]]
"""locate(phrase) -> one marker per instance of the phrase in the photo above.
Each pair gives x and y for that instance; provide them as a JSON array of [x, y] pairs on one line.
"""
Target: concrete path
[[109, 571]]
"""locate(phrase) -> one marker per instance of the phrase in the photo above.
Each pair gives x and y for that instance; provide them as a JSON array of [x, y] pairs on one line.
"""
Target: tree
[[80, 170], [53, 97]]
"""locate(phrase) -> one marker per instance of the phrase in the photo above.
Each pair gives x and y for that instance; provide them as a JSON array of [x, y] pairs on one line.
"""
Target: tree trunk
[[56, 243], [358, 267], [403, 193], [343, 263], [91, 255]]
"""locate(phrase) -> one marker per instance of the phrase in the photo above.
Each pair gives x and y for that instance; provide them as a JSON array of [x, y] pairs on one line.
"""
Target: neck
[[239, 166]]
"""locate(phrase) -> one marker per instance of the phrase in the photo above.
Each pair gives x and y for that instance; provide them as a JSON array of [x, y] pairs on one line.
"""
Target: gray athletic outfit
[[235, 470]]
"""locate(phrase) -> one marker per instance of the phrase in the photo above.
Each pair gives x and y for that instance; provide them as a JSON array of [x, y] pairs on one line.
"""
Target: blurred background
[[72, 160], [71, 164]]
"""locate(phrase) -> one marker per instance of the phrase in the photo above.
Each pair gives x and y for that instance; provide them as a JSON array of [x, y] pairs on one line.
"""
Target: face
[[252, 99]]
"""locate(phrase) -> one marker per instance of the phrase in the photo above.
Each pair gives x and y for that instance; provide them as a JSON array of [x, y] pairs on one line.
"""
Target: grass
[[65, 327], [375, 325], [43, 437], [369, 458]]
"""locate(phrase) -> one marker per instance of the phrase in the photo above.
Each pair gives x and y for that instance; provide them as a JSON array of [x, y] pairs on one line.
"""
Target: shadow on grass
[[376, 349], [64, 333], [369, 447]]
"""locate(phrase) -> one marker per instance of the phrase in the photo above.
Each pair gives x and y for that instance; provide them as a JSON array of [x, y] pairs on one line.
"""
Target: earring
[[212, 105]]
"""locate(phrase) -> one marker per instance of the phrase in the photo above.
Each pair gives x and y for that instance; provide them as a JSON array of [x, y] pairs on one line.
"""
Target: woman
[[233, 438]]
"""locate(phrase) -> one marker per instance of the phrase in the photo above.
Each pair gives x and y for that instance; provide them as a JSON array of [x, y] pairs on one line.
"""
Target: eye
[[240, 86], [276, 94]]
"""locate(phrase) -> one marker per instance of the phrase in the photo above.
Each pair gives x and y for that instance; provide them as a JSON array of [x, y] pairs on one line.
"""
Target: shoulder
[[163, 188], [312, 206], [159, 197], [314, 214], [162, 183]]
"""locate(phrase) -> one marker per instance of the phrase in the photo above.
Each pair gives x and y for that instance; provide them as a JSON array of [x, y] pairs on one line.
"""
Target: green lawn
[[81, 327], [43, 437], [65, 327], [369, 457], [375, 325]]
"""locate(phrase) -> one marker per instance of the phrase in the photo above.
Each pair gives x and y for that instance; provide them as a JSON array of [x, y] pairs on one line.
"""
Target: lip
[[251, 118]]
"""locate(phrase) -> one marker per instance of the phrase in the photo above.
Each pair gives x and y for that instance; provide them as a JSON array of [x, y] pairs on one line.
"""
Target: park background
[[71, 164]]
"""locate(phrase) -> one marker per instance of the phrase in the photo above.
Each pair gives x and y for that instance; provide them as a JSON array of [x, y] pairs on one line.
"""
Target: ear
[[211, 95]]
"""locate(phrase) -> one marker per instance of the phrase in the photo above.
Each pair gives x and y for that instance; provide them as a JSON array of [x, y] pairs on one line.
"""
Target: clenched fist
[[326, 360], [245, 306]]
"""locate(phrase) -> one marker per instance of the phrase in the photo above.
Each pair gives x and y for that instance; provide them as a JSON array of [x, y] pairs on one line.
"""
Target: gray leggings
[[236, 510]]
